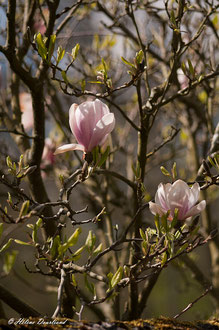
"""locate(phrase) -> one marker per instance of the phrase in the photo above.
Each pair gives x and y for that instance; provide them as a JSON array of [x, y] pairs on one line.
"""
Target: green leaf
[[191, 68], [90, 241], [74, 52], [9, 260], [174, 171], [73, 280], [21, 242], [83, 85], [55, 244], [104, 157], [164, 221], [30, 225], [95, 82], [74, 237], [182, 248], [172, 17], [110, 276], [35, 229], [1, 229], [64, 76], [7, 245], [39, 223], [216, 159], [60, 54], [95, 154], [9, 199], [164, 259], [9, 161], [164, 171], [142, 234], [70, 242], [51, 46], [117, 277], [98, 249], [157, 223], [144, 246], [42, 50], [175, 218], [104, 69], [183, 67], [139, 56], [24, 209], [77, 254], [127, 62], [89, 285]]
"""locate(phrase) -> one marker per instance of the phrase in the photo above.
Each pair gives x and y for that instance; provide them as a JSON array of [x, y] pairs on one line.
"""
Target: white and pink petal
[[68, 147], [156, 209], [195, 210]]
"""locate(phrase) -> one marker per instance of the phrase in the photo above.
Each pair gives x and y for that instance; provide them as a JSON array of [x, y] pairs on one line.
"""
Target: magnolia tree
[[107, 195]]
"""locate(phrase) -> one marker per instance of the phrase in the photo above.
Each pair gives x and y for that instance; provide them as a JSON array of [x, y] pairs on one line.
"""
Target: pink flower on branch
[[91, 122], [178, 195]]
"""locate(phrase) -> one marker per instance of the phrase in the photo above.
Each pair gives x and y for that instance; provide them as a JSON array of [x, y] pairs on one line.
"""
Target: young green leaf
[[42, 50], [1, 229], [164, 259], [182, 248], [9, 260], [55, 244], [73, 280], [165, 171], [9, 161], [191, 68], [139, 57], [142, 234], [64, 76], [51, 47], [74, 52], [127, 62], [98, 249], [21, 242], [74, 237], [60, 54], [104, 157], [174, 171], [24, 209], [6, 246], [117, 277], [90, 241], [89, 285]]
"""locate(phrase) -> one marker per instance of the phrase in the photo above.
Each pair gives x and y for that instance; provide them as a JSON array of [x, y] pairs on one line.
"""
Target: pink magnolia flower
[[27, 110], [90, 123], [177, 196], [48, 153], [40, 22]]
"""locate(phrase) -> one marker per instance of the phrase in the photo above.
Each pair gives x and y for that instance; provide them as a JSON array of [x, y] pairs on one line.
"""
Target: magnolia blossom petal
[[197, 209], [72, 116], [90, 122], [156, 209], [194, 194], [83, 123], [102, 130], [178, 195], [179, 198], [101, 109], [161, 196], [68, 147]]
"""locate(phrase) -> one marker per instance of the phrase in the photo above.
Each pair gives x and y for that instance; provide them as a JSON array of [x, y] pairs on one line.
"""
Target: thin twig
[[60, 292], [193, 302]]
